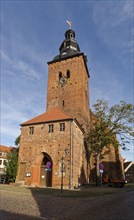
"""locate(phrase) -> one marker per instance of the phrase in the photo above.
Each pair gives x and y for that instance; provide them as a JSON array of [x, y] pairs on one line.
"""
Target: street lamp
[[62, 171]]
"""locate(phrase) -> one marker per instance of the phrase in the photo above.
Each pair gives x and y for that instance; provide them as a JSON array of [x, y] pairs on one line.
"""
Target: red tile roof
[[6, 149], [54, 114]]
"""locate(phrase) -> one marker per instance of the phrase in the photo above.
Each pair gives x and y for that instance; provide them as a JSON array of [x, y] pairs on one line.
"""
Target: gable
[[54, 114]]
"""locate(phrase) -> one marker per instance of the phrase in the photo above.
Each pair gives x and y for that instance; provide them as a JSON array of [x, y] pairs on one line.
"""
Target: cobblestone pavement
[[23, 206]]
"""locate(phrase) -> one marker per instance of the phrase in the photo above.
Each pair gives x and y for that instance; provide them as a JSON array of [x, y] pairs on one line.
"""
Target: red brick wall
[[33, 147], [74, 93]]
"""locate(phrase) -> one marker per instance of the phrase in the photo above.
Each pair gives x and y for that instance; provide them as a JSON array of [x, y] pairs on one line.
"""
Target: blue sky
[[31, 33]]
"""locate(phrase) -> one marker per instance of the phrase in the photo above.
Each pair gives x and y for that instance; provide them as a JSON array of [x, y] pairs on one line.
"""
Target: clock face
[[63, 80]]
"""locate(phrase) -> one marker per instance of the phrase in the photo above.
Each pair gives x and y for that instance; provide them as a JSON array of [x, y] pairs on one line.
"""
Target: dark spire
[[69, 46]]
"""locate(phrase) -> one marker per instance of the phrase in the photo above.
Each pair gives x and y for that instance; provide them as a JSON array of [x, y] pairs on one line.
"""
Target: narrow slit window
[[60, 75], [63, 103], [68, 74]]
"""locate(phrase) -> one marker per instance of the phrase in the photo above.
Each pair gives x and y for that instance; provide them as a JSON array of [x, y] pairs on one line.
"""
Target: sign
[[101, 171], [62, 168], [28, 174], [48, 165], [101, 166], [48, 169]]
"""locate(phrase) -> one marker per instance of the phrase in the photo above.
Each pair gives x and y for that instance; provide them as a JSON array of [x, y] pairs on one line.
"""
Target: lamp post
[[101, 167], [62, 170]]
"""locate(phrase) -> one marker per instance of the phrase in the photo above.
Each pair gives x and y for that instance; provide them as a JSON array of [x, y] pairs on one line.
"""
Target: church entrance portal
[[46, 171]]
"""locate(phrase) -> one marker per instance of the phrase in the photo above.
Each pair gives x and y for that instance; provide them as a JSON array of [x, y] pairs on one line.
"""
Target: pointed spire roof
[[54, 114]]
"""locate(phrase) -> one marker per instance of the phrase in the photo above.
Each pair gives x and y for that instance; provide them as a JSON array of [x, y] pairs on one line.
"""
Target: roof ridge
[[63, 111], [53, 114]]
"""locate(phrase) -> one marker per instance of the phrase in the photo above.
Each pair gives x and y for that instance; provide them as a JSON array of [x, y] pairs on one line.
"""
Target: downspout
[[71, 155]]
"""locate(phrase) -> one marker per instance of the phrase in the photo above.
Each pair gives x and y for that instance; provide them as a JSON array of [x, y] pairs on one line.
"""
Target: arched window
[[60, 75], [68, 74], [71, 35]]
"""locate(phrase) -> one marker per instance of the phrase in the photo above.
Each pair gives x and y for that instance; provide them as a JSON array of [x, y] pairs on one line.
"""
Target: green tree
[[17, 141], [11, 166], [109, 123], [12, 162]]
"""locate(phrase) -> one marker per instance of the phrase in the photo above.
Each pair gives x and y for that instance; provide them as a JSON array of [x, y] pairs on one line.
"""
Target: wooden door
[[43, 176]]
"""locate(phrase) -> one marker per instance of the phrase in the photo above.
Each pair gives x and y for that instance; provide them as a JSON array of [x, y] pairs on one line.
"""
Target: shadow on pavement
[[52, 203], [4, 215]]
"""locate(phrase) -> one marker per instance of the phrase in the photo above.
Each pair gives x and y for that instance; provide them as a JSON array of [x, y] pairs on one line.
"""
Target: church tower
[[68, 81], [52, 144]]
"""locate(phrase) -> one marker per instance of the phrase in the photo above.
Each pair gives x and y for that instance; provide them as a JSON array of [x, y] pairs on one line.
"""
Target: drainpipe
[[71, 155]]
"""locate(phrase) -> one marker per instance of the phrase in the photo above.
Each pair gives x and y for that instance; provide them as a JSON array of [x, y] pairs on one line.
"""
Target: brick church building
[[52, 144]]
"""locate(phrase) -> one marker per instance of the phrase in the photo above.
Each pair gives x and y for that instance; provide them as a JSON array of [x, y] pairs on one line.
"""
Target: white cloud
[[21, 91], [111, 13], [12, 131], [128, 9], [13, 63], [113, 21], [17, 64], [5, 57], [14, 111], [11, 112], [27, 70]]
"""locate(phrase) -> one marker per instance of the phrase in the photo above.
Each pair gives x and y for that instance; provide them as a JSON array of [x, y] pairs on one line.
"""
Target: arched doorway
[[46, 171]]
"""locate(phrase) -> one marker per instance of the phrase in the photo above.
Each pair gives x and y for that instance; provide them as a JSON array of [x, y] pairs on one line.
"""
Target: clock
[[63, 80]]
